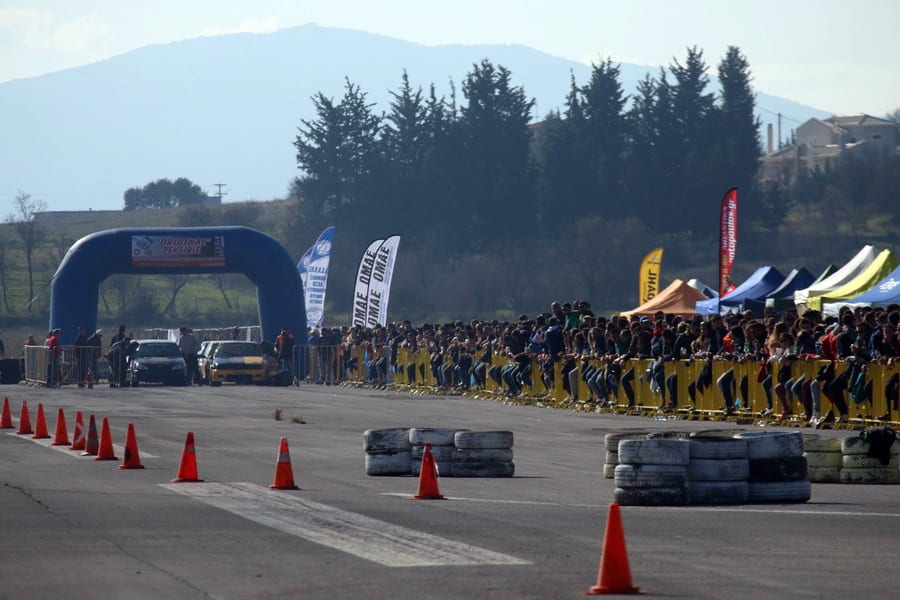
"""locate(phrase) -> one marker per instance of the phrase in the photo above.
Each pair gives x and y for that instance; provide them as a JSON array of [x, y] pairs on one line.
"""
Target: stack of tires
[[823, 458], [777, 470], [483, 454], [718, 471], [611, 443], [388, 451], [441, 441], [858, 467], [652, 472]]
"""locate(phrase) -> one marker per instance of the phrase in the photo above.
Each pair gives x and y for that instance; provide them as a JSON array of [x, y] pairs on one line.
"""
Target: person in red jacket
[[284, 348], [53, 350]]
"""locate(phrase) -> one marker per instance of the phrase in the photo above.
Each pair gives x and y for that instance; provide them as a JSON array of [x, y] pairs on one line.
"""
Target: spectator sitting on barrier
[[784, 355]]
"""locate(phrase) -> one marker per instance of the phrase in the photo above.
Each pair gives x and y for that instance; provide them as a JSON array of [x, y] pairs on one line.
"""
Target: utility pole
[[779, 130], [220, 192]]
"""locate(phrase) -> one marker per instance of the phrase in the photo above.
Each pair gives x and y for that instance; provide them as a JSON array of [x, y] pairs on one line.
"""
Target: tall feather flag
[[363, 281], [373, 283], [728, 224], [313, 269], [648, 278], [382, 274]]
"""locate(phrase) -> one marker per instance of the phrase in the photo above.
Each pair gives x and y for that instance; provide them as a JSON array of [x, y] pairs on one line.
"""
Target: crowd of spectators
[[461, 355]]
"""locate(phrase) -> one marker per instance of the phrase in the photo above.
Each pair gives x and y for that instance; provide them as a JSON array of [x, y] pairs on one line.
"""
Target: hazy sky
[[837, 55]]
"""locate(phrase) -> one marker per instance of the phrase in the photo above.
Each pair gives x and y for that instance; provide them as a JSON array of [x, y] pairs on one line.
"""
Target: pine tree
[[604, 133], [496, 195]]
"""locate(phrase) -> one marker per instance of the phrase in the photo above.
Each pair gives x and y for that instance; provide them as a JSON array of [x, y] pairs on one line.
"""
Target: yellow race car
[[240, 362]]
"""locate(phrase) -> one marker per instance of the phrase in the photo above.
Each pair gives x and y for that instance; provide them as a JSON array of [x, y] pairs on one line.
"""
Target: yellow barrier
[[694, 400]]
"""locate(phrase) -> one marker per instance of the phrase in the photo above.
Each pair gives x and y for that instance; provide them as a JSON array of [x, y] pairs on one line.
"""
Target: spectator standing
[[53, 350], [94, 343], [284, 346], [82, 352], [189, 346]]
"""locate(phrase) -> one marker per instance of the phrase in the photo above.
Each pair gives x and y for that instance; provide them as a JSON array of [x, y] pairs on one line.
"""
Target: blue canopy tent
[[885, 293], [756, 287], [783, 297]]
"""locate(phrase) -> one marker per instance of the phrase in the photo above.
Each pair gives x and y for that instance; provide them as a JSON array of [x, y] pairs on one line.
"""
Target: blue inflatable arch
[[74, 293]]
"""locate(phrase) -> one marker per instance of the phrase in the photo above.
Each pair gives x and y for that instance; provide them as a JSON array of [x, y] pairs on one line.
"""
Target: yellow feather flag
[[649, 275]]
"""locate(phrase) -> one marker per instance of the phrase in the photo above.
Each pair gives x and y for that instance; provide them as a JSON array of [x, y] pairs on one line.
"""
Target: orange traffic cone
[[78, 439], [24, 420], [615, 575], [428, 477], [6, 416], [40, 429], [132, 458], [106, 452], [92, 445], [187, 470], [284, 475], [62, 433]]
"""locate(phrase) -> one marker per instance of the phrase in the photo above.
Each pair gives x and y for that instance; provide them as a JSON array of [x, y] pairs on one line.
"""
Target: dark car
[[157, 361]]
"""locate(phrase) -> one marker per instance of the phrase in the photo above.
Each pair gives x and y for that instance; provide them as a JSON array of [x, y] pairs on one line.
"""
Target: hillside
[[226, 109]]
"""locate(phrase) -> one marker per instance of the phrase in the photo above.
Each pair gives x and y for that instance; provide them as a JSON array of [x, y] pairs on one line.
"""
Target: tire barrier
[[457, 452], [652, 472], [442, 454], [661, 496], [857, 467], [778, 469], [382, 440], [483, 439], [718, 448], [389, 463], [418, 436], [718, 492], [654, 452], [823, 459], [780, 491], [441, 441], [772, 444], [484, 469], [718, 470], [483, 454], [611, 443], [717, 433], [388, 451], [788, 468]]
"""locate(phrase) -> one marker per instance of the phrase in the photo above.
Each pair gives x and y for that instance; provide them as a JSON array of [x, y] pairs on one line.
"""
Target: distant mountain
[[226, 109]]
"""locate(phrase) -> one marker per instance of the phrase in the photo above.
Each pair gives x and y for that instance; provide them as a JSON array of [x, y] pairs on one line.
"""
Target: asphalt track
[[75, 527]]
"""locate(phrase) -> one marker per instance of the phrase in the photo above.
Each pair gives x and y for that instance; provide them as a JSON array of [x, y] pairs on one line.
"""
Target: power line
[[782, 115], [220, 193]]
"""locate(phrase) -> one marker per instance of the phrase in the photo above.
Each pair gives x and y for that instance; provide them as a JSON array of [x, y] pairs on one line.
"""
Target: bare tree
[[60, 245], [24, 218], [4, 244], [178, 282], [220, 283]]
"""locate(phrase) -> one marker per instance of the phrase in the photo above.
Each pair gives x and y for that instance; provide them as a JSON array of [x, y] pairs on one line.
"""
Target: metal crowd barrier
[[70, 367]]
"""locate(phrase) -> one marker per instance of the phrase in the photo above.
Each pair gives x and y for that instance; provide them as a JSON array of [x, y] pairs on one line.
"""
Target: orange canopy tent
[[677, 299]]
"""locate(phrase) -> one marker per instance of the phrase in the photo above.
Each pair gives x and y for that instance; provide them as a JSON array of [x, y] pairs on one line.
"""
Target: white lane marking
[[377, 541], [46, 442], [694, 508]]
